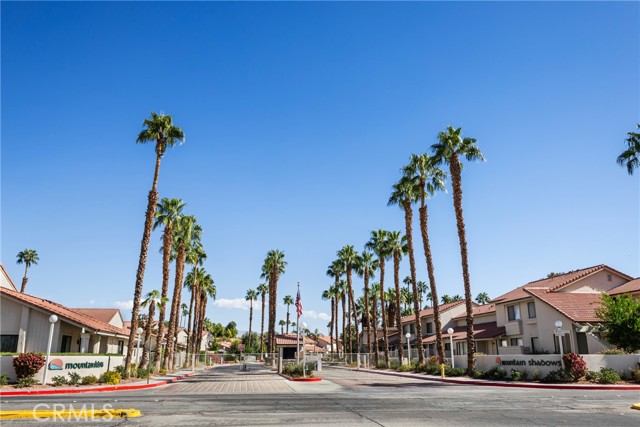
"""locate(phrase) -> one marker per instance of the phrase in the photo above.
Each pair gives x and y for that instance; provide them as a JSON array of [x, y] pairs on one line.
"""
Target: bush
[[294, 370], [382, 364], [4, 379], [404, 368], [59, 380], [163, 371], [537, 375], [575, 366], [635, 375], [121, 371], [27, 365], [608, 376], [89, 380], [433, 360], [454, 372], [591, 376], [496, 373], [26, 382], [142, 373], [393, 364], [557, 376], [613, 351], [111, 377], [516, 375], [74, 378], [230, 358], [479, 374]]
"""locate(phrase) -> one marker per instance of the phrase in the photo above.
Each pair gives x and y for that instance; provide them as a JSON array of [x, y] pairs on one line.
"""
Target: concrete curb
[[497, 384], [102, 389], [38, 415], [301, 380]]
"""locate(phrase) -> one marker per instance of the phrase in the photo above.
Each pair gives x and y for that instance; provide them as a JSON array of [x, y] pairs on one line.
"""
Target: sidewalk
[[139, 385], [490, 383]]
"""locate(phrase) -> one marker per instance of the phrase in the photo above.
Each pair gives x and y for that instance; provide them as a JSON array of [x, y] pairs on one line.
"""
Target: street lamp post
[[139, 332], [450, 332], [304, 358], [560, 334], [52, 319], [408, 335]]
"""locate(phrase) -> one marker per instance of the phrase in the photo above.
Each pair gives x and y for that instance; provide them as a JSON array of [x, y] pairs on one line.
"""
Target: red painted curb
[[518, 385], [301, 380], [95, 389]]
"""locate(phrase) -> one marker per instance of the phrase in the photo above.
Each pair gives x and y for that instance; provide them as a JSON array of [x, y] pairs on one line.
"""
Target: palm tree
[[273, 267], [251, 296], [422, 289], [185, 312], [195, 257], [328, 295], [168, 211], [207, 290], [378, 244], [335, 271], [430, 180], [398, 246], [263, 289], [456, 298], [342, 291], [390, 298], [27, 257], [288, 300], [349, 258], [182, 238], [446, 299], [375, 291], [483, 298], [151, 300], [631, 156], [448, 150], [282, 323], [366, 268], [159, 129]]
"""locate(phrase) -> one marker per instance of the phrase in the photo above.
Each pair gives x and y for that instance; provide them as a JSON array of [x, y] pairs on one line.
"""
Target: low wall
[[546, 363], [89, 364]]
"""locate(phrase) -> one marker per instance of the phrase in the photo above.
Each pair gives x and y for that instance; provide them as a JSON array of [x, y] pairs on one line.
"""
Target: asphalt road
[[224, 396]]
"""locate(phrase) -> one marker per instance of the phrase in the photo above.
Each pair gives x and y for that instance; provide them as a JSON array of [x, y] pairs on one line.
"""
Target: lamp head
[[450, 331], [558, 323], [53, 318], [408, 335], [304, 325], [139, 330]]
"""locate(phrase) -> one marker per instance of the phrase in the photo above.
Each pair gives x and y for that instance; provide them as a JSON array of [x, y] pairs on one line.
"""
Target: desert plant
[[516, 375], [591, 376], [26, 382], [124, 374], [537, 375], [433, 360], [111, 377], [635, 374], [404, 368], [393, 365], [575, 366], [89, 380], [142, 373], [382, 364], [499, 374], [59, 380], [74, 378], [432, 369], [27, 365], [454, 372], [557, 376], [479, 374], [4, 379], [613, 351], [608, 376]]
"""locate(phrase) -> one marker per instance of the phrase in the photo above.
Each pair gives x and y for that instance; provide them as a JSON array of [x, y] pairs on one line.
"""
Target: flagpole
[[298, 330]]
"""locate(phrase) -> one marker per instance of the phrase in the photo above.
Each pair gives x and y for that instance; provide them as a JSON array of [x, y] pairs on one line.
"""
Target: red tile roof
[[481, 331], [479, 311], [64, 312], [102, 314], [629, 287], [429, 311], [292, 339], [579, 307]]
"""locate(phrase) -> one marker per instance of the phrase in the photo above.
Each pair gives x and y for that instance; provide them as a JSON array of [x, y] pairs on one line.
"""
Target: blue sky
[[298, 117]]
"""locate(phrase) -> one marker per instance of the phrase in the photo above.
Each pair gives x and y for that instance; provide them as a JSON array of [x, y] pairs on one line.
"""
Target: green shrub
[[26, 382], [635, 375], [142, 373], [393, 364], [557, 376], [613, 351], [454, 372], [27, 365], [111, 377], [294, 370], [74, 378], [413, 366], [575, 366], [89, 380], [608, 376], [591, 376], [499, 374], [432, 369], [433, 360], [403, 368], [382, 364], [4, 379], [479, 374], [163, 371], [59, 380], [230, 358], [516, 375], [537, 375]]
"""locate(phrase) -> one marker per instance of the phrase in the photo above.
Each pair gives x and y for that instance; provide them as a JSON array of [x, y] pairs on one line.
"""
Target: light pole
[[450, 332], [138, 331], [52, 319], [304, 359], [408, 335], [560, 334]]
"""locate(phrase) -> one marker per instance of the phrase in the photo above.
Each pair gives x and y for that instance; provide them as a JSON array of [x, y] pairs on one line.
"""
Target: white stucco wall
[[108, 363]]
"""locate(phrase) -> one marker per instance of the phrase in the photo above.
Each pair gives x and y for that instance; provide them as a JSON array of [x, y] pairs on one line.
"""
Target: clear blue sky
[[298, 118]]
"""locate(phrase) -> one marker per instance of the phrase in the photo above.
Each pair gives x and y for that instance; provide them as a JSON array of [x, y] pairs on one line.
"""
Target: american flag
[[299, 304]]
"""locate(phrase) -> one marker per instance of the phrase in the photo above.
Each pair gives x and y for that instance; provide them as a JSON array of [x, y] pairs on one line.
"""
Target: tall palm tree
[[483, 298], [335, 271], [366, 267], [288, 300], [263, 290], [158, 129], [422, 289], [273, 267], [192, 282], [27, 257], [168, 211], [398, 246], [282, 323], [182, 238], [251, 296], [152, 299], [375, 291], [448, 150], [185, 312], [378, 244], [195, 256], [631, 156], [349, 258], [342, 292], [328, 295], [207, 290], [390, 298], [430, 180]]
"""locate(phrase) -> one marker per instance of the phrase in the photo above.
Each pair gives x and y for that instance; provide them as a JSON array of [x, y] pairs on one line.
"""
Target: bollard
[[442, 369]]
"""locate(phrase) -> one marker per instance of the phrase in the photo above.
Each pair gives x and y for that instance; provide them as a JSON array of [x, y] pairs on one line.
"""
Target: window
[[531, 307], [515, 342], [8, 343], [429, 327], [608, 277], [121, 347], [513, 312], [65, 346]]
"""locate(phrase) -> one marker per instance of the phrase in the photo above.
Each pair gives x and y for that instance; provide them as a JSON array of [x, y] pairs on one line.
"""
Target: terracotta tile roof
[[64, 312], [327, 339], [429, 311], [102, 314], [579, 307], [292, 339], [481, 331], [479, 311], [630, 287]]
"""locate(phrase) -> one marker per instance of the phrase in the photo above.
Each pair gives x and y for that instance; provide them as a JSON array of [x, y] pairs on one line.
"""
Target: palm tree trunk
[[250, 319], [375, 329], [354, 312], [287, 319], [273, 295], [262, 327], [167, 239], [147, 335], [175, 303], [203, 313], [396, 280], [331, 325], [191, 312], [424, 230], [385, 333], [336, 326], [343, 298], [152, 200], [25, 279], [456, 183], [366, 309], [408, 223]]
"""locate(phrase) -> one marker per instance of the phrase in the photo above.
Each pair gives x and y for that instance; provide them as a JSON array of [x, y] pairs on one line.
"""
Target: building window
[[608, 277], [65, 346], [531, 307], [120, 347], [513, 312], [8, 343], [515, 342], [429, 327]]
